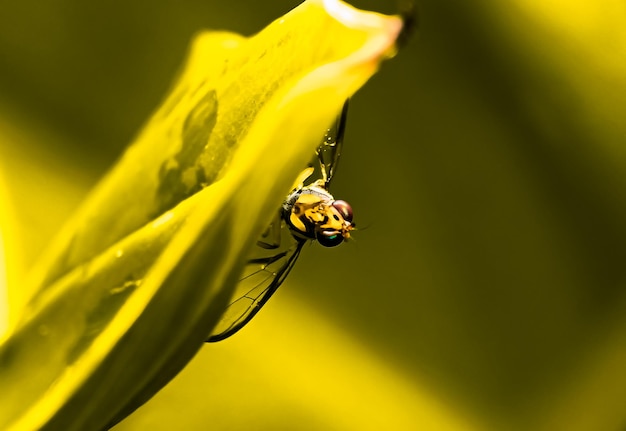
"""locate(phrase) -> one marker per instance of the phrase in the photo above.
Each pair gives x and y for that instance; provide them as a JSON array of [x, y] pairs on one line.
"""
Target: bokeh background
[[485, 288]]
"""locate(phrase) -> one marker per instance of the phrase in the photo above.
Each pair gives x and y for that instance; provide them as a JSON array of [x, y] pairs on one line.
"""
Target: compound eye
[[330, 238], [344, 209]]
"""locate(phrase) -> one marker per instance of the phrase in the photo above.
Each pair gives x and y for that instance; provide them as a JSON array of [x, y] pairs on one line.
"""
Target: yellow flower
[[134, 283]]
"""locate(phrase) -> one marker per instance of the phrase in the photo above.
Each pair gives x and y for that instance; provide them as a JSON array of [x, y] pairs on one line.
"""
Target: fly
[[309, 213]]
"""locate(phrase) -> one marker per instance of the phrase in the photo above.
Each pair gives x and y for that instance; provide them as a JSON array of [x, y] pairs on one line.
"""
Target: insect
[[308, 213]]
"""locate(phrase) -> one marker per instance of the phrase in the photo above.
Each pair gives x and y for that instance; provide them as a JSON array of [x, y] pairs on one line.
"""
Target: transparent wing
[[277, 250], [265, 271], [329, 151]]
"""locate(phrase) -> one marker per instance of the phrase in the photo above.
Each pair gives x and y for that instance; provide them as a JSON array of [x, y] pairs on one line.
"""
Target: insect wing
[[329, 151], [277, 250], [265, 271]]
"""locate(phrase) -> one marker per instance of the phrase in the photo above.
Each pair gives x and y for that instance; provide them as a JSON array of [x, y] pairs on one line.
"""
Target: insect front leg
[[271, 237]]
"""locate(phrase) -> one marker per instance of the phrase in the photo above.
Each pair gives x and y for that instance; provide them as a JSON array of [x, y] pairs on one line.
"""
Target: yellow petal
[[128, 293]]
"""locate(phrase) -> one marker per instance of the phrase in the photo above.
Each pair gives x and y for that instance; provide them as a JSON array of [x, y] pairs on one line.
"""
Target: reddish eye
[[344, 209]]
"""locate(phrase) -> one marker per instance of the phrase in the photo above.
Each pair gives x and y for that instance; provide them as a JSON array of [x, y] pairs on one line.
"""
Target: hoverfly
[[308, 213]]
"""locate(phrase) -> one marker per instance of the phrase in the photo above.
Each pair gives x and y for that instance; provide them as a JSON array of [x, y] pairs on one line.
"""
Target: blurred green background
[[485, 165]]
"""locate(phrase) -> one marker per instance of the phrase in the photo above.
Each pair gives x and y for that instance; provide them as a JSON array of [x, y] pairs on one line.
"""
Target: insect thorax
[[304, 209]]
